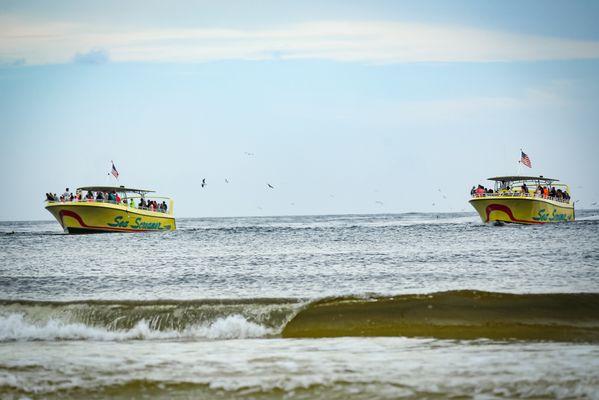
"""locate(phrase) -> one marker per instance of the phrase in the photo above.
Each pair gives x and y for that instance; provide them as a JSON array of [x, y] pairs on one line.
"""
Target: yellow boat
[[524, 200], [93, 215]]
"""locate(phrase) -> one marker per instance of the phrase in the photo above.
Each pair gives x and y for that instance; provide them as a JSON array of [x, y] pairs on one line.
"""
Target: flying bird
[[226, 180], [379, 202], [270, 186], [204, 182]]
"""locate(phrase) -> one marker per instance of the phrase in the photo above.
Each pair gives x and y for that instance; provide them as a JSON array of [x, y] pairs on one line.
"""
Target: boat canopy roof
[[115, 188], [513, 178]]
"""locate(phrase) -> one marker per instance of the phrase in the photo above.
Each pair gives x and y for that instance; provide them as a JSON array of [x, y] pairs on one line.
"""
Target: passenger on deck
[[66, 194], [164, 207], [524, 189], [472, 191], [480, 191], [89, 196], [50, 197], [99, 196], [142, 203], [131, 203], [553, 193], [545, 192]]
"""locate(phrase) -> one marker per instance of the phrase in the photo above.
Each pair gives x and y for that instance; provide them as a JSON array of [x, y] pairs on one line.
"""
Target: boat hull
[[522, 210], [95, 217]]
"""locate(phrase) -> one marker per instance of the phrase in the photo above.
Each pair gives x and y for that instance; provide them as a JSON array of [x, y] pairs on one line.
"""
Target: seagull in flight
[[270, 186], [204, 182], [226, 180]]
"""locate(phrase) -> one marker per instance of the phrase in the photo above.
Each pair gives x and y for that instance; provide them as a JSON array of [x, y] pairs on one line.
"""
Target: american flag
[[523, 159], [116, 173]]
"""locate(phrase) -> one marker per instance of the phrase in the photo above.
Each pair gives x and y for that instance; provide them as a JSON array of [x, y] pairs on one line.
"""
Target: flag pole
[[519, 164]]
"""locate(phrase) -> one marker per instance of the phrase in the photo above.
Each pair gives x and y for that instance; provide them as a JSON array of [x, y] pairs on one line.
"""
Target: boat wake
[[464, 314]]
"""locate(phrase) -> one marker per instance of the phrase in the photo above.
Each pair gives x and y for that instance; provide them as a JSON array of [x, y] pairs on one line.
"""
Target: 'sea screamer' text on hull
[[522, 200], [96, 216]]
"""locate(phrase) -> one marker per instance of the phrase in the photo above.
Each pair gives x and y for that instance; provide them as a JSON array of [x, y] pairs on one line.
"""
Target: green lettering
[[118, 222]]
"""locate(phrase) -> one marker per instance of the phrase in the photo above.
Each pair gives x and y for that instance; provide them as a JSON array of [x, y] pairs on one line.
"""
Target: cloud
[[94, 57], [42, 42]]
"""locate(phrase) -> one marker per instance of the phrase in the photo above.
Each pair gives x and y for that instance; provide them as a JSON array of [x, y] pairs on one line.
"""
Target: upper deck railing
[[123, 203], [521, 194]]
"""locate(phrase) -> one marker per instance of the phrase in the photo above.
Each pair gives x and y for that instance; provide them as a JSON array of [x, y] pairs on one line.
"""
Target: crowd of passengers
[[541, 191], [108, 197]]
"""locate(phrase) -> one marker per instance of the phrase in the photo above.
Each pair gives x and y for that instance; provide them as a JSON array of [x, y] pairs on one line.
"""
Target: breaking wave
[[15, 327], [463, 314], [129, 320]]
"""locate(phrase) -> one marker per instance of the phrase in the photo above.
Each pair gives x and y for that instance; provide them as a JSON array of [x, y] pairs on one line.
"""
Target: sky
[[341, 106]]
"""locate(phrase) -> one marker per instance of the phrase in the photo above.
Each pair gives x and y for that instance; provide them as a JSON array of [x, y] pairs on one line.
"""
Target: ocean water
[[337, 307]]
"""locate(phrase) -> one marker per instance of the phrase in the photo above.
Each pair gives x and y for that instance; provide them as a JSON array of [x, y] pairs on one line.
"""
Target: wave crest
[[15, 327], [462, 314]]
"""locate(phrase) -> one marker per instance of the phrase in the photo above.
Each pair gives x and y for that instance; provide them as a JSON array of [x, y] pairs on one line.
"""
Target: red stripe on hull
[[500, 207], [72, 214]]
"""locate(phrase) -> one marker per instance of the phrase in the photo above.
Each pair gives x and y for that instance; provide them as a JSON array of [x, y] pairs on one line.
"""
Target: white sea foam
[[15, 327]]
